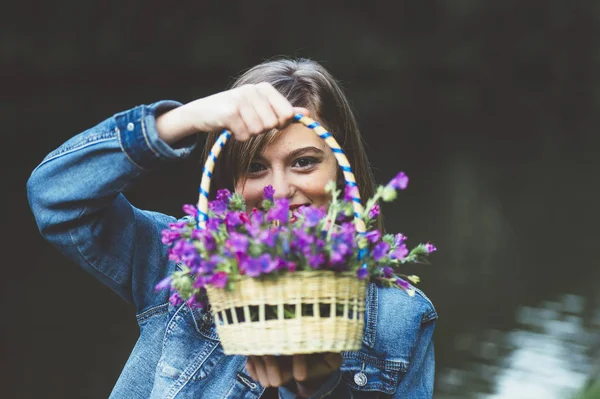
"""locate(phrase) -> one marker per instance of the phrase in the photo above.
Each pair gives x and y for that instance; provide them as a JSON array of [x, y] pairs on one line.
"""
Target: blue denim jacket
[[76, 197]]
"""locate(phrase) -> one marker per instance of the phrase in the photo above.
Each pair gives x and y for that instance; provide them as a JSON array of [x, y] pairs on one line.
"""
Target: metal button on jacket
[[360, 379]]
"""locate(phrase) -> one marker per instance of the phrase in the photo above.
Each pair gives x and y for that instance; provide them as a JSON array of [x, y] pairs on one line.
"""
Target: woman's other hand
[[245, 111], [309, 371]]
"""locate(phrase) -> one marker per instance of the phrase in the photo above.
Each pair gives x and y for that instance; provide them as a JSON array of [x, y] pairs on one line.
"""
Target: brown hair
[[305, 83]]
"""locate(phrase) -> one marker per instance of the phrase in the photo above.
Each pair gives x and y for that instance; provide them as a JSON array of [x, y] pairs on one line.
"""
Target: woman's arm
[[75, 193], [76, 197]]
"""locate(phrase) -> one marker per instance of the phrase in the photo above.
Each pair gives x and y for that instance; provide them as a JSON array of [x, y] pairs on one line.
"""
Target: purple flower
[[374, 211], [268, 237], [263, 264], [380, 250], [400, 252], [237, 242], [217, 206], [312, 215], [175, 299], [232, 220], [316, 260], [190, 210], [363, 272], [177, 225], [191, 302], [268, 192], [399, 239], [400, 182], [280, 211], [169, 236], [291, 266], [223, 195], [213, 224], [430, 248], [219, 280], [185, 252], [388, 272], [164, 283], [403, 283], [200, 281], [373, 236], [350, 192]]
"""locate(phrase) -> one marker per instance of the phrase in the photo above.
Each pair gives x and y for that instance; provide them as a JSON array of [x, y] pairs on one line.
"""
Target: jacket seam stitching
[[151, 312], [74, 148]]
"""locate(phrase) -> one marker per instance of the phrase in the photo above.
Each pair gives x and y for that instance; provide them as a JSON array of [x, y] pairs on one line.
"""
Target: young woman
[[76, 197]]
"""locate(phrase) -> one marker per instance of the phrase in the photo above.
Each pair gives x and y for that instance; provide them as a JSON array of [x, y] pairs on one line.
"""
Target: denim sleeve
[[76, 197]]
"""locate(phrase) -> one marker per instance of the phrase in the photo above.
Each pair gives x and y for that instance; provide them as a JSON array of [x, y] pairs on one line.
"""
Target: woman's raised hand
[[245, 111]]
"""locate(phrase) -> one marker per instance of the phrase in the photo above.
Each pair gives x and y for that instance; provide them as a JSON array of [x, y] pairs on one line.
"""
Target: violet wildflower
[[177, 225], [399, 253], [430, 248], [280, 211], [350, 192], [223, 195], [388, 272], [373, 236], [312, 215], [399, 182], [237, 242], [163, 284], [169, 236], [374, 211], [403, 283], [219, 280], [213, 224], [175, 299], [362, 272], [232, 220], [268, 192], [217, 206], [190, 210], [380, 250], [399, 239], [316, 260]]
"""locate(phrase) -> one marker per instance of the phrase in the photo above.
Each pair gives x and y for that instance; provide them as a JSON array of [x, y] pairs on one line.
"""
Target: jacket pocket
[[371, 377], [186, 354]]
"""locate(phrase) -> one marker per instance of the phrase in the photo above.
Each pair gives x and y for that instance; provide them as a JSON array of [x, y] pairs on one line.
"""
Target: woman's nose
[[283, 187]]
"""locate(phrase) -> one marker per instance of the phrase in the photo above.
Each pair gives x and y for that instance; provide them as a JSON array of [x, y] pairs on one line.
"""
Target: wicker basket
[[301, 312]]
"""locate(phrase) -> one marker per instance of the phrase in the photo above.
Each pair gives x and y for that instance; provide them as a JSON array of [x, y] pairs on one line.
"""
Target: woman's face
[[297, 164]]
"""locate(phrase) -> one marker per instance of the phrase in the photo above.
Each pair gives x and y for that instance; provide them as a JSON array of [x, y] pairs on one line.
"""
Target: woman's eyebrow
[[299, 151]]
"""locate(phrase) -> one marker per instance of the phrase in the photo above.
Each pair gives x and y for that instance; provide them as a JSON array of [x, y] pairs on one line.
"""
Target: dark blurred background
[[490, 107]]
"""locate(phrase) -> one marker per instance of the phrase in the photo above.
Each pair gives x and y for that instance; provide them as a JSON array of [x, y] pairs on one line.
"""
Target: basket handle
[[319, 131]]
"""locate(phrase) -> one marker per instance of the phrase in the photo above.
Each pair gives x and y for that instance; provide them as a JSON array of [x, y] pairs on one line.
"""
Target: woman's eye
[[305, 162], [255, 167]]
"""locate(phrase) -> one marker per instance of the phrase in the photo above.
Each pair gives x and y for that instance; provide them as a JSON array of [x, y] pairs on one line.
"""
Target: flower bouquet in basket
[[283, 281]]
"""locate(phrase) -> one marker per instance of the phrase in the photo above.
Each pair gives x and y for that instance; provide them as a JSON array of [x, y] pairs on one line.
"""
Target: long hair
[[305, 83]]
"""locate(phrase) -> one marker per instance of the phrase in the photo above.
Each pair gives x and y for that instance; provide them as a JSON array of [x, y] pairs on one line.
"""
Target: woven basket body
[[302, 312]]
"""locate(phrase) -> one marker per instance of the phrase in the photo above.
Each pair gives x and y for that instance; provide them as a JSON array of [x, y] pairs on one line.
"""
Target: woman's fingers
[[269, 371], [250, 369]]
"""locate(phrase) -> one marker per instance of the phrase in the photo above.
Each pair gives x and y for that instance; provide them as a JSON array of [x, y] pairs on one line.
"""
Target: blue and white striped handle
[[311, 124]]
